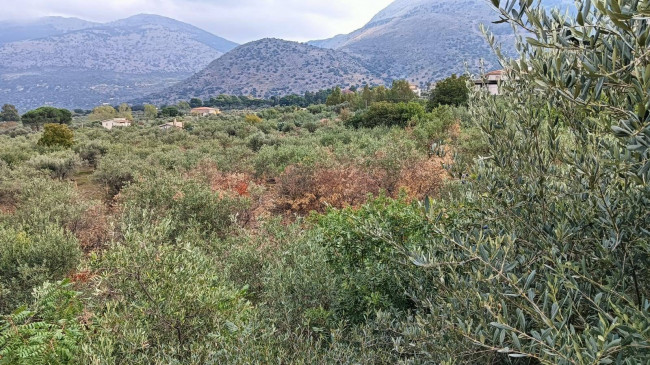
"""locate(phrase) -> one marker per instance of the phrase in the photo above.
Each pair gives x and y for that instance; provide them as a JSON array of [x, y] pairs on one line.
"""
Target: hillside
[[13, 31], [271, 67], [105, 63], [425, 40]]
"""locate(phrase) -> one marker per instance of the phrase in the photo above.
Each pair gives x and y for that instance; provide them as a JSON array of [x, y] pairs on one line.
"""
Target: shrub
[[92, 151], [302, 189], [387, 114], [253, 119], [41, 202], [434, 127], [57, 135], [190, 206], [15, 152], [116, 172], [360, 249], [270, 161], [61, 165], [178, 307], [29, 259]]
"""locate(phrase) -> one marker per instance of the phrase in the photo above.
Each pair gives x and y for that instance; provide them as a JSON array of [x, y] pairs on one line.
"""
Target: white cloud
[[238, 20]]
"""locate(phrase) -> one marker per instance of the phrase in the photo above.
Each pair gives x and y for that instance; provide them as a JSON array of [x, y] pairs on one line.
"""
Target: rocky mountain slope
[[109, 62], [271, 67], [13, 31], [425, 40]]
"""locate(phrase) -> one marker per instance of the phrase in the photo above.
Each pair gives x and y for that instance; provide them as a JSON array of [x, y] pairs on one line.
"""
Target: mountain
[[271, 67], [105, 63], [426, 40], [40, 28]]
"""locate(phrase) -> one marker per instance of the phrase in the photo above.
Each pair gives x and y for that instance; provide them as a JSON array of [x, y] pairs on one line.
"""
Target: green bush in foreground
[[29, 259], [162, 304], [543, 257]]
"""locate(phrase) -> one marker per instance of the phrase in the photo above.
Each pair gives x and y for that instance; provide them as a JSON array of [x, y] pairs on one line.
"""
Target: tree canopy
[[450, 91], [58, 135], [47, 114], [102, 112], [9, 113]]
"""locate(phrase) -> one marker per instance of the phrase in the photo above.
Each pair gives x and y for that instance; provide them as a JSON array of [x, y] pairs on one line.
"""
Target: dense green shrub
[[61, 165], [92, 151], [179, 309], [56, 135], [361, 249], [387, 114], [29, 259]]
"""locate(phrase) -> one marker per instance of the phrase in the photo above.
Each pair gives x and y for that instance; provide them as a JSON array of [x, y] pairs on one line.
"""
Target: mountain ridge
[[426, 40], [271, 67], [105, 63]]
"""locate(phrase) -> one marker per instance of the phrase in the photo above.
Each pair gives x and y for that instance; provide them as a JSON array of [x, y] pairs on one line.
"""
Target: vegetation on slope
[[247, 241]]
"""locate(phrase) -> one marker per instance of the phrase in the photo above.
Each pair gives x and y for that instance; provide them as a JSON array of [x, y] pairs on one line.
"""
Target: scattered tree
[[9, 114], [450, 91], [57, 135], [103, 112], [196, 103], [170, 111], [124, 111], [183, 105], [335, 98], [401, 91], [47, 114], [150, 111]]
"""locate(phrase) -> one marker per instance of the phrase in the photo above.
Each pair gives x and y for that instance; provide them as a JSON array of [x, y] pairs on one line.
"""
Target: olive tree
[[544, 257]]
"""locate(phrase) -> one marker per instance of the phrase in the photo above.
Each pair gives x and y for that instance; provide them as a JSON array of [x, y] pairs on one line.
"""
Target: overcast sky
[[238, 20]]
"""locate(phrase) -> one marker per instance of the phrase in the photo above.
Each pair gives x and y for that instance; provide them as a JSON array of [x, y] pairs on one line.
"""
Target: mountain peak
[[148, 19]]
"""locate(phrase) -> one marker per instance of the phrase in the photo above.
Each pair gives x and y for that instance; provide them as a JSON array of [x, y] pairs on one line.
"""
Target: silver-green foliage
[[158, 303], [29, 259], [545, 259]]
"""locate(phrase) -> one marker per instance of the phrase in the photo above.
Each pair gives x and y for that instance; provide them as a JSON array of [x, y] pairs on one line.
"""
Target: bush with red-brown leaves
[[302, 189]]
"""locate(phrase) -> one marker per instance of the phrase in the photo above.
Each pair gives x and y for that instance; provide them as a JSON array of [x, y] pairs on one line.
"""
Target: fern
[[47, 332]]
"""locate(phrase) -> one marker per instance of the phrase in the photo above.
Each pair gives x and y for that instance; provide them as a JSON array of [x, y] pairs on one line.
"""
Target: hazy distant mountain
[[271, 67], [110, 62], [40, 28], [425, 40]]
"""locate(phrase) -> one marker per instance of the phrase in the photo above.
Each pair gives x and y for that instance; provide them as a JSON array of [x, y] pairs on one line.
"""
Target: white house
[[170, 125], [116, 123], [491, 81], [205, 111], [416, 90]]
